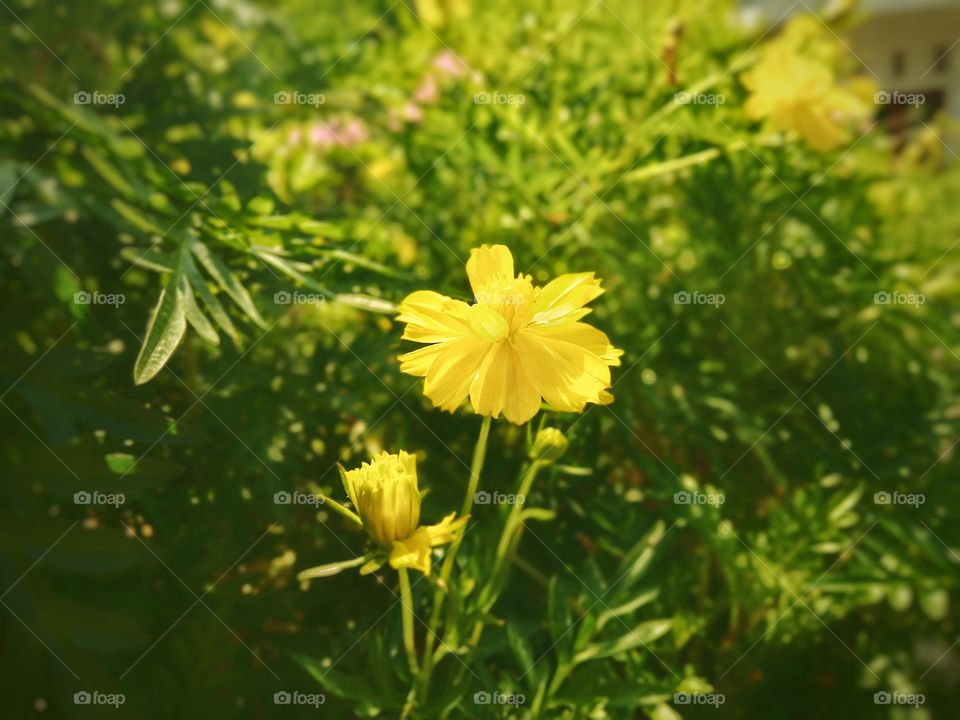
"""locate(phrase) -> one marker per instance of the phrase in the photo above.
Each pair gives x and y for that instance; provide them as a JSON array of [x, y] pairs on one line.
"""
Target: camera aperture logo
[[98, 498], [95, 97], [82, 297], [497, 498], [687, 98], [483, 697], [297, 498], [898, 498], [292, 97], [95, 697], [898, 298], [298, 298], [685, 698], [683, 497], [698, 298], [314, 700], [499, 98], [898, 698]]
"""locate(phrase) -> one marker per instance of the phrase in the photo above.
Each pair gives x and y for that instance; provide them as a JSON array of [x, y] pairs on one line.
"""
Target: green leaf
[[108, 172], [524, 653], [346, 685], [210, 301], [334, 568], [642, 635], [227, 280], [847, 503], [149, 259], [164, 332], [636, 603], [198, 321], [136, 218]]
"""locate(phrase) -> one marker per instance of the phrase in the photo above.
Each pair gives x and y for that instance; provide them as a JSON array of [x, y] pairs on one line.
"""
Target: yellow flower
[[516, 344], [794, 87], [386, 496]]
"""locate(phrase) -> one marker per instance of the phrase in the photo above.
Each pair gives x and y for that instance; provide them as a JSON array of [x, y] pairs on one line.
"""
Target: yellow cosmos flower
[[516, 344], [386, 496], [794, 87]]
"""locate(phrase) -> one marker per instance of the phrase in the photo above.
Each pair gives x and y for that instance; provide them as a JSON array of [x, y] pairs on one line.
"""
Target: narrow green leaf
[[164, 332], [135, 217], [199, 286], [148, 259], [107, 171], [198, 321], [334, 568], [227, 280], [642, 635]]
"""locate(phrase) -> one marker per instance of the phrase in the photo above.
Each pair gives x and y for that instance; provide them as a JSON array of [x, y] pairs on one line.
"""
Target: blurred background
[[209, 211]]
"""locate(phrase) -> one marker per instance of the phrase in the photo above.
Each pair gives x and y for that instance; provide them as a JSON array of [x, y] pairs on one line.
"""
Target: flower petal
[[449, 368], [562, 299], [412, 552], [567, 374], [488, 391], [489, 263], [586, 336], [432, 317]]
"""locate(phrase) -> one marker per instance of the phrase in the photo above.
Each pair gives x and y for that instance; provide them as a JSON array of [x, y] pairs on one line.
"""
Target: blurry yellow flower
[[515, 345], [794, 87], [386, 496]]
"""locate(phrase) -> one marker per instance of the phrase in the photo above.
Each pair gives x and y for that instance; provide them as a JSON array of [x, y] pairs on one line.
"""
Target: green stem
[[476, 467], [506, 552], [406, 599]]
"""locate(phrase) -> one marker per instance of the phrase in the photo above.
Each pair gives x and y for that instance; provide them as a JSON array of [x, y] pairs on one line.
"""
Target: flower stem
[[476, 467], [406, 599], [506, 551]]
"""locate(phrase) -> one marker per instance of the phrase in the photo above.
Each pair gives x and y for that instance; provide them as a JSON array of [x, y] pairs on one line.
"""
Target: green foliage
[[214, 213]]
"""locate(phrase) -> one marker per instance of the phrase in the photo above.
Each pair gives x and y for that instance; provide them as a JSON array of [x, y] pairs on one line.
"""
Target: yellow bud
[[549, 445], [385, 495]]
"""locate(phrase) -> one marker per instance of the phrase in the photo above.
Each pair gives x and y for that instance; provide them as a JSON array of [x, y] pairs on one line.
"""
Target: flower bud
[[385, 495], [549, 445]]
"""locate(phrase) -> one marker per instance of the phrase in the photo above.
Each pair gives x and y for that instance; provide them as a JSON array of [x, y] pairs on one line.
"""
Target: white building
[[909, 46]]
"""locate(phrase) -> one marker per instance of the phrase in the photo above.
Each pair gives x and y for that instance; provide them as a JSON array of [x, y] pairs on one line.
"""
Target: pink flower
[[321, 134], [427, 92], [450, 64], [412, 112]]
